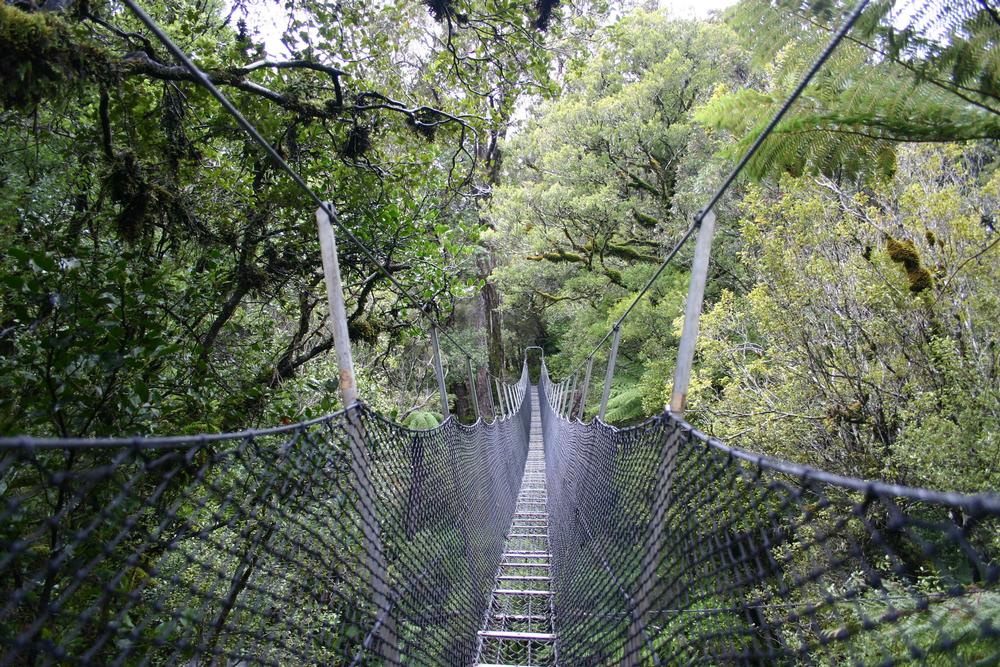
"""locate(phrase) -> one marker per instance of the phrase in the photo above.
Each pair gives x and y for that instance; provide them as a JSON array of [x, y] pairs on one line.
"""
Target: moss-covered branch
[[41, 52]]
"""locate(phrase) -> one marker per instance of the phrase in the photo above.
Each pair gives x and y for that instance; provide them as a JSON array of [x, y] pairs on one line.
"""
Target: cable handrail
[[983, 501], [142, 442]]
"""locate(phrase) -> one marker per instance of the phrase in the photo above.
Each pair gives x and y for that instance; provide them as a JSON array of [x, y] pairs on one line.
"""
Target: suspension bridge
[[529, 537]]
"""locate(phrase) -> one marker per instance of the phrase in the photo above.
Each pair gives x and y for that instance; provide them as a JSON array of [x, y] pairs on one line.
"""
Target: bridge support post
[[611, 371], [692, 313], [500, 401], [586, 387], [338, 311], [489, 397], [439, 372], [473, 393], [374, 555], [572, 397]]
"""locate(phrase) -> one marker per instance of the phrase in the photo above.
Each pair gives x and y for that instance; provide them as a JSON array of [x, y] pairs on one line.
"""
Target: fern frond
[[919, 71]]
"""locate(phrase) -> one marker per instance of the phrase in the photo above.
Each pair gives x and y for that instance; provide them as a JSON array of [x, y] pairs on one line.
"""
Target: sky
[[269, 19], [694, 8]]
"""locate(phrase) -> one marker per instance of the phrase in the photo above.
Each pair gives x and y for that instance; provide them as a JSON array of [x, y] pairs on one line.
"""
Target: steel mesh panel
[[669, 548], [252, 549]]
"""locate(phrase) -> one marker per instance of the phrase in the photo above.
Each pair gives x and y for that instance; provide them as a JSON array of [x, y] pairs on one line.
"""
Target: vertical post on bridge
[[374, 556], [439, 372], [543, 376], [572, 397], [500, 401], [586, 387], [489, 397], [611, 371], [692, 313], [338, 311], [473, 393], [653, 548]]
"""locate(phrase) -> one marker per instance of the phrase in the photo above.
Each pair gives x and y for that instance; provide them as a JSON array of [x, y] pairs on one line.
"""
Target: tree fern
[[912, 71]]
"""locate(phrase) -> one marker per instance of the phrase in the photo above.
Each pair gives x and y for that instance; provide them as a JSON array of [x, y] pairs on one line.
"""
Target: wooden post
[[439, 372], [373, 554], [489, 397], [473, 394], [551, 390], [572, 397], [500, 401], [653, 549], [611, 372], [338, 311], [586, 387], [689, 335]]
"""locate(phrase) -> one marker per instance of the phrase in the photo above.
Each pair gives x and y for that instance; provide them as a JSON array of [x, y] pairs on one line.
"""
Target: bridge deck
[[519, 629]]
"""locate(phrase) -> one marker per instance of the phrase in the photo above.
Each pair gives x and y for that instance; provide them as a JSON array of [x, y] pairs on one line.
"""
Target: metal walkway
[[519, 628]]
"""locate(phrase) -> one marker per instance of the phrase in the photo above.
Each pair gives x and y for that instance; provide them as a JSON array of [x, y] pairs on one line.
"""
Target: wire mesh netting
[[670, 548], [345, 540]]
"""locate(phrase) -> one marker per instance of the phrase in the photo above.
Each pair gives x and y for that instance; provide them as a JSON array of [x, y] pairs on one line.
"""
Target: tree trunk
[[492, 321]]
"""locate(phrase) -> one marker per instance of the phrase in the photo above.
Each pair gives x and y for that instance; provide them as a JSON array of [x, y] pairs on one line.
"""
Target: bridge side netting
[[252, 549], [669, 548]]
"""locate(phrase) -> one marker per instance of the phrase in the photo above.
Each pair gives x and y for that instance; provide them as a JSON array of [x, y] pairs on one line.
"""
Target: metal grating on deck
[[519, 628]]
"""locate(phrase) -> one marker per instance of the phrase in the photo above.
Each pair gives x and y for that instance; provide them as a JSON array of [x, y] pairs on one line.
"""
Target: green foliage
[[598, 185], [918, 73], [838, 358], [625, 405], [595, 179], [421, 420], [41, 57], [162, 275]]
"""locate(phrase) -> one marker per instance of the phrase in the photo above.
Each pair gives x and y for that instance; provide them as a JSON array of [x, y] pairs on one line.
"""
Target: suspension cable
[[737, 170], [251, 130]]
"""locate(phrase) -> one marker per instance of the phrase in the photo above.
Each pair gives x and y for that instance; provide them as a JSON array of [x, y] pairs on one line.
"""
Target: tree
[[867, 345], [161, 272], [602, 182]]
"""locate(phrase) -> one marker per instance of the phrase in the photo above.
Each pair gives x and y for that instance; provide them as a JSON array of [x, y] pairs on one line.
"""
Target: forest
[[514, 173], [522, 168]]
